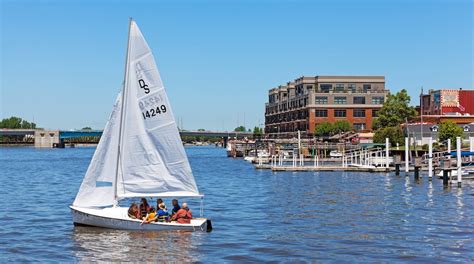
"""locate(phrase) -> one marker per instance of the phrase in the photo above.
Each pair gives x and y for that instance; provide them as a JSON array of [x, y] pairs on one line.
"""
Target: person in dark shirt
[[158, 202], [176, 206], [144, 208]]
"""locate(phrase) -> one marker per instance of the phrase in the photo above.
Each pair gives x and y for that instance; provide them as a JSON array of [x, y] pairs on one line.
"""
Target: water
[[257, 215]]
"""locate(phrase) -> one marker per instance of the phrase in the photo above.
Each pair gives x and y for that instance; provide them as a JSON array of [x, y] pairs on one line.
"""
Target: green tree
[[257, 130], [16, 123], [86, 128], [342, 126], [324, 129], [240, 129], [394, 111], [449, 130], [201, 129], [394, 134]]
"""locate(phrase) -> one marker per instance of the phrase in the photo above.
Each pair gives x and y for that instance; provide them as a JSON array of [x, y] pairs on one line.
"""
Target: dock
[[321, 168]]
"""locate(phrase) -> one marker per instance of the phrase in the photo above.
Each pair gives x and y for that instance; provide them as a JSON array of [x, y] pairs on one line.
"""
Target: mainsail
[[152, 160]]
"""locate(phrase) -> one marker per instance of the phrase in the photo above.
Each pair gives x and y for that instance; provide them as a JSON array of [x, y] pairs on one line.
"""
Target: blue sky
[[62, 61]]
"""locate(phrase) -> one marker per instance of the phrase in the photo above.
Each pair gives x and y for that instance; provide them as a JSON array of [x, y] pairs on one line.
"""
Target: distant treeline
[[16, 123]]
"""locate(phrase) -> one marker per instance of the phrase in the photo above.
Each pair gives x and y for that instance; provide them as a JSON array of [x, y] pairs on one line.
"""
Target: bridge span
[[49, 138]]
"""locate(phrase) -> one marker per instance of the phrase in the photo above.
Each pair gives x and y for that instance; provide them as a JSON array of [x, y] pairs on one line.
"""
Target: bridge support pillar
[[46, 138]]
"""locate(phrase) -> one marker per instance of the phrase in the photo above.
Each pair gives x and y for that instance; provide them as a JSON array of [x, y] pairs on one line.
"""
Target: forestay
[[152, 160]]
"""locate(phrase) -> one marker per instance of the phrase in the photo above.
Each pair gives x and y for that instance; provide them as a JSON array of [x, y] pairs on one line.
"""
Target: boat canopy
[[463, 154]]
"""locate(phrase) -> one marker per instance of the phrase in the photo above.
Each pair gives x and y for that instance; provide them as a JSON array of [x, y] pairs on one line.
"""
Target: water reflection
[[430, 193], [459, 202], [99, 244]]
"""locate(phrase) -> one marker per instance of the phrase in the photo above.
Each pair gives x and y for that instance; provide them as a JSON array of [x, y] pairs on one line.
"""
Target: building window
[[340, 100], [339, 87], [375, 113], [359, 100], [309, 87], [359, 126], [321, 100], [352, 87], [359, 113], [339, 113], [325, 88], [367, 87], [321, 113], [378, 100]]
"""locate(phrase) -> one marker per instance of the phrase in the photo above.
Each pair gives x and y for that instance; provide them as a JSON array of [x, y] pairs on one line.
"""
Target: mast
[[122, 112], [421, 116]]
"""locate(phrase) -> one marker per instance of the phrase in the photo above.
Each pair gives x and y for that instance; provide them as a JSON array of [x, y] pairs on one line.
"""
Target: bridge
[[48, 138]]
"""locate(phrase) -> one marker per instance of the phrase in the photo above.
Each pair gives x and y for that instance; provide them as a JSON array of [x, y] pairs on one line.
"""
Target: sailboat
[[140, 153]]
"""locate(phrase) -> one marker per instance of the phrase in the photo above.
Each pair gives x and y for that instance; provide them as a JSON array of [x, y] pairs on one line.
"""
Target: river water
[[257, 215]]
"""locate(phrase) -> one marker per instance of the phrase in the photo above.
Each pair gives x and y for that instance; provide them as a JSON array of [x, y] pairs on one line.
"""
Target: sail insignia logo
[[144, 86]]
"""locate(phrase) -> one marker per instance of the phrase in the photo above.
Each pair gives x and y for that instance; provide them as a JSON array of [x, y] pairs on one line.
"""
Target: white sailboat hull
[[117, 218]]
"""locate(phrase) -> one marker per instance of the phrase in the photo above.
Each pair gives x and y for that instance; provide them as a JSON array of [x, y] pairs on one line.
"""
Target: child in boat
[[133, 211], [150, 217], [184, 215], [158, 202], [176, 207], [144, 208], [162, 214]]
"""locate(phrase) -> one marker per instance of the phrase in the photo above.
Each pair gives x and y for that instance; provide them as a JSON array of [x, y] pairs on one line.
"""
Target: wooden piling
[[417, 168]]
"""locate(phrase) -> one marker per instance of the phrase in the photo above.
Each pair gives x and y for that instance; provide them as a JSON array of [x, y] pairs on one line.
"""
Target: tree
[[394, 111], [240, 129], [201, 129], [16, 123], [257, 131], [86, 128], [394, 134], [324, 129], [449, 130], [342, 126]]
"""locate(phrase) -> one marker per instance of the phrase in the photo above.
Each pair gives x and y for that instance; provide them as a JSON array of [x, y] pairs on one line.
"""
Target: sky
[[62, 62]]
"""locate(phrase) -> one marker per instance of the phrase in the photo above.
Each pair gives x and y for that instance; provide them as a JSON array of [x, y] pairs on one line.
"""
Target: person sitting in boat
[[162, 215], [158, 202], [150, 217], [133, 211], [184, 215], [144, 208], [176, 207]]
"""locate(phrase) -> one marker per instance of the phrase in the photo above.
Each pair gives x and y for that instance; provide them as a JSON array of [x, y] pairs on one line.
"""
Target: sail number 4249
[[161, 109]]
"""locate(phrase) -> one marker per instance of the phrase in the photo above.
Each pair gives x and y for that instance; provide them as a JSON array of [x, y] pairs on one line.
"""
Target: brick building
[[447, 105], [307, 101], [447, 102]]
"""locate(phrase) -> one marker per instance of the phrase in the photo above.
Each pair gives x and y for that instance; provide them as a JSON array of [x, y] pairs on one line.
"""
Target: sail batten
[[152, 160]]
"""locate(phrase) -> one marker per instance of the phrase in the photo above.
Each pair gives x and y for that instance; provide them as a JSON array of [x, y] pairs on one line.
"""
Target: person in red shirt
[[184, 215]]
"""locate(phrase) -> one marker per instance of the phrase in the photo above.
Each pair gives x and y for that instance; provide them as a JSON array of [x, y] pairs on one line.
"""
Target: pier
[[295, 155]]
